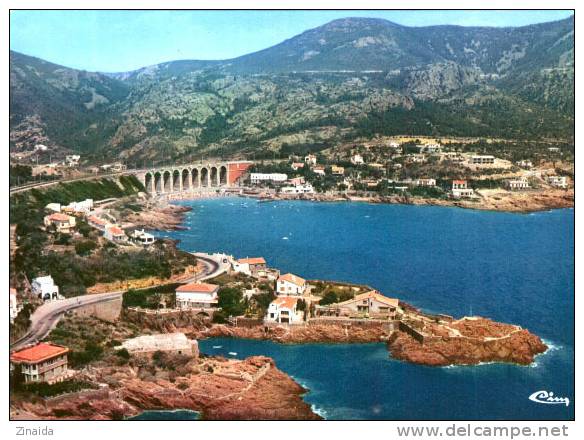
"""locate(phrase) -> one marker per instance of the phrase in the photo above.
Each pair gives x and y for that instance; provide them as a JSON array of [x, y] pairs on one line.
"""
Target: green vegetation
[[43, 389], [231, 301], [84, 248], [150, 298]]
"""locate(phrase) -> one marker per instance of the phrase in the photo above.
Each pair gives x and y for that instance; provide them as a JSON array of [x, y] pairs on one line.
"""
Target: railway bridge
[[192, 177]]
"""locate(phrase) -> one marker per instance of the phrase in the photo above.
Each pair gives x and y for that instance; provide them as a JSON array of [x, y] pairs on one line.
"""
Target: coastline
[[168, 215]]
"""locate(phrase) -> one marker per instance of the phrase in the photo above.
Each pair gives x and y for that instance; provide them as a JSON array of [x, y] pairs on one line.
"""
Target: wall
[[107, 311]]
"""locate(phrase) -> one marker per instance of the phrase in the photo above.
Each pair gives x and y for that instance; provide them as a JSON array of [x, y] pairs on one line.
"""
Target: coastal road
[[48, 315]]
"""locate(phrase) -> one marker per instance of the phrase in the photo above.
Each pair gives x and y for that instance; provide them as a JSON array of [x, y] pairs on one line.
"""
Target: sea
[[515, 268]]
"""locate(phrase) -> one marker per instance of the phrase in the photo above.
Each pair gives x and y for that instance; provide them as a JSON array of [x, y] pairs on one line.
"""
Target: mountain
[[351, 77]]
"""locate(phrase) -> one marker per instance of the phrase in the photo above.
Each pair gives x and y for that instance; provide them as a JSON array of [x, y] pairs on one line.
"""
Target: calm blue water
[[510, 267]]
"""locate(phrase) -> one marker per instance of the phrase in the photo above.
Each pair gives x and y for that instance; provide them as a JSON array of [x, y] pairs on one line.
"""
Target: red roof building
[[43, 362]]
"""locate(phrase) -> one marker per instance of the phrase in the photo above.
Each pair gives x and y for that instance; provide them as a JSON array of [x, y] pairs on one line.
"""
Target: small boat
[[232, 353]]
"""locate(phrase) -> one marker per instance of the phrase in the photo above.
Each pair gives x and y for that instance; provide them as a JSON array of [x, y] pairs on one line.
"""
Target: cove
[[516, 268]]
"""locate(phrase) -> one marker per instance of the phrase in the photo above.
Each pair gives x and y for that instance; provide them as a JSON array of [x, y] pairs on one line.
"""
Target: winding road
[[47, 316]]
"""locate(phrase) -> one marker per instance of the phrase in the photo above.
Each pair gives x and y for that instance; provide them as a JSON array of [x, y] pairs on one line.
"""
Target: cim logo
[[548, 398]]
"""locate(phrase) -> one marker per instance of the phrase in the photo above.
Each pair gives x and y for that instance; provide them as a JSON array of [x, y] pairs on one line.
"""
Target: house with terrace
[[197, 295], [283, 310], [290, 284], [370, 304]]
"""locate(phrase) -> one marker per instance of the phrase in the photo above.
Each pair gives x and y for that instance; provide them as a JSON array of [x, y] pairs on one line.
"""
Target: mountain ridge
[[325, 85]]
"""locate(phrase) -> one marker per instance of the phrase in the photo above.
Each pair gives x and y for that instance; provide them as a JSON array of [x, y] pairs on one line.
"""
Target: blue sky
[[116, 41]]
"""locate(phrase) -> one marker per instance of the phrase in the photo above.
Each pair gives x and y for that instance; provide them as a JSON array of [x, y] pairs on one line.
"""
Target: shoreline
[[517, 202]]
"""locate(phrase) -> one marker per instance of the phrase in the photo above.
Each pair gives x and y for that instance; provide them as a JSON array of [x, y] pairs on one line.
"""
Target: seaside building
[[370, 304], [62, 222], [296, 181], [255, 267], [196, 295], [307, 188], [517, 184], [256, 178], [45, 288], [460, 189], [283, 311], [175, 343], [142, 237], [482, 160], [115, 234], [558, 181], [43, 362], [290, 284], [310, 159]]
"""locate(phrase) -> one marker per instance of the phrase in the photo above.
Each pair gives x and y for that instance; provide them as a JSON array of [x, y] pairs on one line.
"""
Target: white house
[[516, 184], [357, 159], [196, 295], [62, 222], [310, 159], [283, 311], [482, 160], [115, 234], [319, 169], [83, 207], [425, 182], [525, 163], [142, 237], [14, 306], [45, 288], [55, 207], [72, 160], [557, 181], [298, 189], [290, 284], [430, 148], [250, 266], [460, 189], [267, 177]]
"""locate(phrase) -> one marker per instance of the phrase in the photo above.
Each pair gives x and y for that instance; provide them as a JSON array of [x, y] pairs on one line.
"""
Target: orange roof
[[12, 291], [197, 287], [288, 302], [459, 181], [374, 294], [291, 278], [255, 260], [115, 230], [97, 220], [38, 353], [58, 217]]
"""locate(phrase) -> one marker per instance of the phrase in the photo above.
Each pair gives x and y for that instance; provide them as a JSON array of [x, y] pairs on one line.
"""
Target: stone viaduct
[[192, 177]]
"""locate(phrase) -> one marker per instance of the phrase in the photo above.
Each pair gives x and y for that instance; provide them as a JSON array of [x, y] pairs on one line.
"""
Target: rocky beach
[[218, 388]]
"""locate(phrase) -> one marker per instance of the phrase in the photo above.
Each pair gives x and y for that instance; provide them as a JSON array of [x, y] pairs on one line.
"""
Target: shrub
[[85, 247]]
